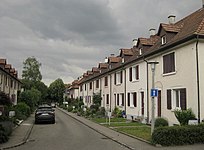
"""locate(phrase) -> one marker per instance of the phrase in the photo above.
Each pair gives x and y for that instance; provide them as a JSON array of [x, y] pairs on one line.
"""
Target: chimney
[[171, 19], [203, 3], [152, 32], [106, 60], [134, 42]]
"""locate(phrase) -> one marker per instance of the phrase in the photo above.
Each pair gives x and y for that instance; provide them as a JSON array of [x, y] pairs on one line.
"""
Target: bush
[[8, 127], [183, 116], [22, 111], [117, 113], [3, 136], [70, 108], [178, 135], [161, 122]]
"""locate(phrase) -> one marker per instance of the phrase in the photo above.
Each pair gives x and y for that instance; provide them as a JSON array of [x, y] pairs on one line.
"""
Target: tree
[[56, 90], [31, 97], [31, 69]]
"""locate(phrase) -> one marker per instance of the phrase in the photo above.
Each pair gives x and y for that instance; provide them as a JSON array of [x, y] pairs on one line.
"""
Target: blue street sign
[[154, 92]]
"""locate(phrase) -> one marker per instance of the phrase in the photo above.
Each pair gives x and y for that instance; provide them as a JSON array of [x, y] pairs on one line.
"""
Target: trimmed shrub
[[22, 111], [3, 136], [161, 122], [178, 135], [183, 116], [8, 127]]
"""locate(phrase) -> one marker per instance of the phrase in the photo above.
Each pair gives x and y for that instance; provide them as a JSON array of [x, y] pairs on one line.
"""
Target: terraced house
[[9, 82], [125, 80]]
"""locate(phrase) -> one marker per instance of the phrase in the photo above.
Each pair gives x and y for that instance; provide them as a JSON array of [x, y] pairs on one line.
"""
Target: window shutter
[[115, 79], [137, 72], [130, 74], [169, 99], [135, 99], [183, 99], [117, 99], [122, 99], [121, 77], [128, 99]]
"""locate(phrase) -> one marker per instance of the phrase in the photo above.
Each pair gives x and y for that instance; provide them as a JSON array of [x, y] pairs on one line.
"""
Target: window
[[85, 87], [140, 51], [97, 83], [106, 81], [107, 99], [169, 63], [163, 38], [134, 73], [120, 99], [118, 77], [81, 88], [176, 98], [132, 99], [90, 85]]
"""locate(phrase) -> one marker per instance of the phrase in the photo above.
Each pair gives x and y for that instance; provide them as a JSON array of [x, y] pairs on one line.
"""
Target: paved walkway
[[21, 134]]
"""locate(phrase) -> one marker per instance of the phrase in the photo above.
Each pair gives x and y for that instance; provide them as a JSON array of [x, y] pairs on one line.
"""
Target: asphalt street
[[67, 134]]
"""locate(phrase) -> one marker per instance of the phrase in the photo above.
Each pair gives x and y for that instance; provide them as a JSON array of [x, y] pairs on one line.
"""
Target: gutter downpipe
[[125, 91], [110, 96], [198, 82], [147, 94]]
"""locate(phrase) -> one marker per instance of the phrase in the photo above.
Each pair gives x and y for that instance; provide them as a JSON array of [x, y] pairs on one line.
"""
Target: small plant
[[117, 113], [161, 122], [183, 116]]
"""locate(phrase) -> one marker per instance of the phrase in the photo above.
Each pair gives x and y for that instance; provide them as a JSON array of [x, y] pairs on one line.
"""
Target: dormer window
[[163, 38], [140, 51]]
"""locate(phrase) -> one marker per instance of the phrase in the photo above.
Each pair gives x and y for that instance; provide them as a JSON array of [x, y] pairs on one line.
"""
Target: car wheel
[[36, 122], [53, 122]]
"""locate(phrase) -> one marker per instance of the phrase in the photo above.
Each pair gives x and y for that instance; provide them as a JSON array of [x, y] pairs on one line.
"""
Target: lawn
[[103, 120], [143, 132], [122, 125]]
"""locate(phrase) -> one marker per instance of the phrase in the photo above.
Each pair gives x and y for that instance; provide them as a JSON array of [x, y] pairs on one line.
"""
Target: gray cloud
[[70, 37]]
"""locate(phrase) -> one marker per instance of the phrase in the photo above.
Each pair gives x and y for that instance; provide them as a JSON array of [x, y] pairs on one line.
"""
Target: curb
[[25, 139], [123, 144]]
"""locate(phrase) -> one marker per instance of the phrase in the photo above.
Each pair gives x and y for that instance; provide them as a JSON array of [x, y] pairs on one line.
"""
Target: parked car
[[45, 113], [53, 105]]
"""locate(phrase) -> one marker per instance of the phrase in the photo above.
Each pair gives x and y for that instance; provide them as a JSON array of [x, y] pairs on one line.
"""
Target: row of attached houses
[[9, 82], [125, 80]]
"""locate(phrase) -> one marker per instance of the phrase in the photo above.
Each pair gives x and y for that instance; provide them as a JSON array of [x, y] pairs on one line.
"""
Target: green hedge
[[22, 111], [3, 136], [178, 135]]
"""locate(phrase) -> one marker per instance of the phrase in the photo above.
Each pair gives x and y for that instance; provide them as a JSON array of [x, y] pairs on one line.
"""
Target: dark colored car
[[45, 113]]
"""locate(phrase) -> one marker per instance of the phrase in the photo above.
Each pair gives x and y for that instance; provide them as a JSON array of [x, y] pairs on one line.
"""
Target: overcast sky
[[70, 37]]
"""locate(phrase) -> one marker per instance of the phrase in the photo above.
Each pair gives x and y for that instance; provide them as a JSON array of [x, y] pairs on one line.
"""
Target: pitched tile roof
[[127, 52], [2, 61], [103, 65], [114, 59]]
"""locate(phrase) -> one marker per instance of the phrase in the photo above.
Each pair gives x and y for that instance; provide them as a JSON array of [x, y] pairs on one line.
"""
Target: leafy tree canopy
[[56, 90], [31, 69]]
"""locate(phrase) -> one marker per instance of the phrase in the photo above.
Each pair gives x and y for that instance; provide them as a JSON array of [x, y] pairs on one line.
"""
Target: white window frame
[[118, 78], [134, 72], [163, 39], [175, 100]]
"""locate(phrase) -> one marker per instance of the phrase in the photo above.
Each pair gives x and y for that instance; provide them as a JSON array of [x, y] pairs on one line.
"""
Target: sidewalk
[[125, 140], [20, 135]]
